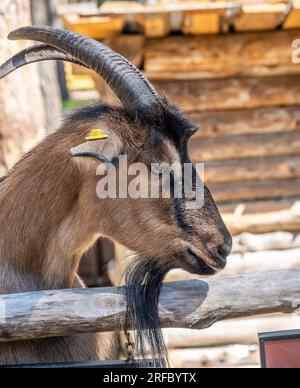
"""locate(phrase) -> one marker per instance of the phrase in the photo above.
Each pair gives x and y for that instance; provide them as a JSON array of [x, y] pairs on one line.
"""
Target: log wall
[[243, 92]]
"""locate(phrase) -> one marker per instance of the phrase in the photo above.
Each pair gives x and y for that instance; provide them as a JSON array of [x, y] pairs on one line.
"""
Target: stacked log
[[243, 92]]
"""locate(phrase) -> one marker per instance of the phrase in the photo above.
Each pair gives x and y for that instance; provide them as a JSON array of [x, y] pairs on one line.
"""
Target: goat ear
[[104, 150]]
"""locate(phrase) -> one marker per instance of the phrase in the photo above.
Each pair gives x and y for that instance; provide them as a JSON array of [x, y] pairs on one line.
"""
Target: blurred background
[[229, 66]]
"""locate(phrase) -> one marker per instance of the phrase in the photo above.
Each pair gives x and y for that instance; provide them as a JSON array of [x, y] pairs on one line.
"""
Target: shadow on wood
[[190, 304]]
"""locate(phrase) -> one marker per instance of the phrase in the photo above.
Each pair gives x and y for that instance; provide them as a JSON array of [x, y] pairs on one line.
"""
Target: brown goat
[[50, 213]]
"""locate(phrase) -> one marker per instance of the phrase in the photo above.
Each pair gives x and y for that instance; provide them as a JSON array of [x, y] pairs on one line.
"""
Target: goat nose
[[225, 249]]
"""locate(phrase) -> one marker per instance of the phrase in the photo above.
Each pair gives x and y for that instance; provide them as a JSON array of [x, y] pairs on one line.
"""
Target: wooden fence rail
[[190, 304]]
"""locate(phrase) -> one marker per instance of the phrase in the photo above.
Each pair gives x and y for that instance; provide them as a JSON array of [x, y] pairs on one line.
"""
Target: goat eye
[[192, 131], [156, 169]]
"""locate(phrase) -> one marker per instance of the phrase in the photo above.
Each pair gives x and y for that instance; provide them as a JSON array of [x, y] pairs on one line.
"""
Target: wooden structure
[[231, 71], [21, 124], [195, 304], [243, 92], [188, 16]]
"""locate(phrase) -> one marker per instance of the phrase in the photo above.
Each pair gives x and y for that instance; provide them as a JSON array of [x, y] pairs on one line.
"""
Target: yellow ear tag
[[96, 134]]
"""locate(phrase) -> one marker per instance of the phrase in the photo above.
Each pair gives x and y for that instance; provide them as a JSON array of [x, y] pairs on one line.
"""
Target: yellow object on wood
[[293, 19], [259, 17], [96, 27], [195, 23], [78, 81], [155, 25]]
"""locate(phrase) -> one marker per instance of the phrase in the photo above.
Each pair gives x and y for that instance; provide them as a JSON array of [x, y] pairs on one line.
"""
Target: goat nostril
[[223, 251]]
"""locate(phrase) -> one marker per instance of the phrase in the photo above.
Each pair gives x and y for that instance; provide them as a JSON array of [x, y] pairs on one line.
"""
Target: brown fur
[[50, 215]]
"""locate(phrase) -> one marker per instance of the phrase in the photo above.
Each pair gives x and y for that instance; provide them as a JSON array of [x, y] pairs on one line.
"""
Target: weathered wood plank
[[223, 192], [136, 8], [198, 23], [252, 54], [234, 356], [293, 19], [258, 169], [249, 242], [238, 147], [97, 27], [264, 190], [234, 93], [22, 124], [281, 220], [259, 206], [238, 263], [154, 25], [193, 304], [249, 262], [246, 122], [259, 17], [242, 331], [279, 250], [44, 13]]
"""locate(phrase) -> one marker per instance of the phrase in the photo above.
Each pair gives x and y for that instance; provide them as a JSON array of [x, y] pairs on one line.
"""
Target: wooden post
[[22, 117], [193, 304], [44, 13]]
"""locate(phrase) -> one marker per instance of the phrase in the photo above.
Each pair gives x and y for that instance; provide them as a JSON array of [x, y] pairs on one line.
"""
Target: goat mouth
[[195, 264]]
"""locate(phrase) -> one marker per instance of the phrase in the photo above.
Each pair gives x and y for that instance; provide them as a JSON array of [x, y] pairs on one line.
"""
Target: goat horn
[[128, 83], [36, 53]]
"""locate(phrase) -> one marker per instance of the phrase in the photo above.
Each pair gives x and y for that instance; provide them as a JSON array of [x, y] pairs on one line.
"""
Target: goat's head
[[169, 229], [148, 129]]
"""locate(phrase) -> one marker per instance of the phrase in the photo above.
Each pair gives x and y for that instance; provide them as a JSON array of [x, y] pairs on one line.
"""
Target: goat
[[50, 213]]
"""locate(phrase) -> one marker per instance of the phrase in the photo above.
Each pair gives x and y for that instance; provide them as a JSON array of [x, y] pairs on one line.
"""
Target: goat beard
[[143, 279]]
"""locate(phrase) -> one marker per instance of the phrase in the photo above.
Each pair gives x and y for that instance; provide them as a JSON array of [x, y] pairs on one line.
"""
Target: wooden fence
[[195, 304]]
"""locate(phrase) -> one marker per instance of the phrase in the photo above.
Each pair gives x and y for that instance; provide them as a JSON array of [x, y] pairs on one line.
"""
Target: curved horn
[[128, 83], [36, 53]]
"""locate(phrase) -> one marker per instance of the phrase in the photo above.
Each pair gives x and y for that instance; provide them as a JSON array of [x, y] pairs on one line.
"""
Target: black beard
[[144, 278]]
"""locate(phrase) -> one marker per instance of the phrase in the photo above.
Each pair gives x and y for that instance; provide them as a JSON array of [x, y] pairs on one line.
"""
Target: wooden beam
[[259, 17], [242, 331], [193, 304], [293, 19], [22, 124], [249, 242], [281, 220], [248, 262], [137, 8], [259, 206], [233, 93], [246, 122], [253, 169], [154, 25], [235, 356], [97, 27], [223, 192], [277, 250], [238, 147], [219, 56], [198, 23]]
